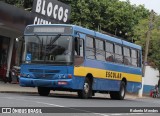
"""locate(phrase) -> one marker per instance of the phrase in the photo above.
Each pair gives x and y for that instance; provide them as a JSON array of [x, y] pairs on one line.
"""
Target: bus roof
[[96, 34]]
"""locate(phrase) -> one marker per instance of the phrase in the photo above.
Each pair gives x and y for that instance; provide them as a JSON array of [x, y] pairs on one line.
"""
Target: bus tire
[[86, 92], [43, 91], [119, 95]]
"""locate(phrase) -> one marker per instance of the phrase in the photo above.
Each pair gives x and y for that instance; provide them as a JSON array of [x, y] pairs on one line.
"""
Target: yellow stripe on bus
[[106, 74]]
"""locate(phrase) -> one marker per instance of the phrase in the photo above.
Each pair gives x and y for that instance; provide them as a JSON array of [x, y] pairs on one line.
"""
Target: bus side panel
[[106, 85], [114, 85], [112, 66], [98, 84], [101, 80], [133, 86]]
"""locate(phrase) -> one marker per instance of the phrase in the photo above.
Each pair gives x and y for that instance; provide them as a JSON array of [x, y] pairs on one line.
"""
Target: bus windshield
[[56, 49]]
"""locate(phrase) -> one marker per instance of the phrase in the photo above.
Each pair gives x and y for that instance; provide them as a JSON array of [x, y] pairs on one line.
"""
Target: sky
[[149, 4]]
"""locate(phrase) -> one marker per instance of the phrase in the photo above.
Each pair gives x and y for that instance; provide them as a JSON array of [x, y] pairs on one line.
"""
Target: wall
[[151, 79]]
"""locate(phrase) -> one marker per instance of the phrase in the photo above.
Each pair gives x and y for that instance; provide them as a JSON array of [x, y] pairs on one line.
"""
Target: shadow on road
[[69, 96]]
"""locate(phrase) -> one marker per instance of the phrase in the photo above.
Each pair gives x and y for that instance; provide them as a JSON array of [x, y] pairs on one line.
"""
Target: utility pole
[[146, 51]]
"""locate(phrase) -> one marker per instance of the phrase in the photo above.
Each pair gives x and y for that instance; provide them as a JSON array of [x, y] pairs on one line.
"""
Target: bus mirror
[[78, 35], [21, 38], [17, 39]]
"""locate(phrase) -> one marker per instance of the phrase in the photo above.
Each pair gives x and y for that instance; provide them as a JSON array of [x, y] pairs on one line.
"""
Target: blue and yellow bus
[[72, 58]]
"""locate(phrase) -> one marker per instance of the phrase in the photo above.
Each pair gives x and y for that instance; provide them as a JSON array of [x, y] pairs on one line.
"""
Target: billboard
[[50, 11]]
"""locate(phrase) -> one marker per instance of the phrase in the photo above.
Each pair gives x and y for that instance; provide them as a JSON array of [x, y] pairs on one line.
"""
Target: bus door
[[79, 50]]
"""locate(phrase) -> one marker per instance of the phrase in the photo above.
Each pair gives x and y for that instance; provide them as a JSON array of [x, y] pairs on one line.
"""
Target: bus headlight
[[28, 75], [25, 75]]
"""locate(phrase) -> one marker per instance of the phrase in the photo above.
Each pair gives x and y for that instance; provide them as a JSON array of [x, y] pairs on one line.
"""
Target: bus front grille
[[43, 73]]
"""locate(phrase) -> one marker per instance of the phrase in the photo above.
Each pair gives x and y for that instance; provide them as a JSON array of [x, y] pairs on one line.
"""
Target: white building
[[150, 80]]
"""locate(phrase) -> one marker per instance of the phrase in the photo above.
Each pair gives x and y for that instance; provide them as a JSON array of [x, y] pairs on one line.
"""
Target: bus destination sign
[[48, 30]]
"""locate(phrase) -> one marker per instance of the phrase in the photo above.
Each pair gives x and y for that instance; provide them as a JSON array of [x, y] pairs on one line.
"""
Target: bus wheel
[[86, 92], [119, 95], [43, 91]]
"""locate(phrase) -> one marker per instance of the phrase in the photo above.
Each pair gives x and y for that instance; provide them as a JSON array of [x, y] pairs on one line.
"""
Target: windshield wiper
[[52, 41]]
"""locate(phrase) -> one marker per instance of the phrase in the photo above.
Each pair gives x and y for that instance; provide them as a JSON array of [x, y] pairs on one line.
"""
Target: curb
[[18, 92], [128, 95]]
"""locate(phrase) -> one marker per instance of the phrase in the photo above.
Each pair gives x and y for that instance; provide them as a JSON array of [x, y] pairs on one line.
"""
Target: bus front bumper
[[28, 82]]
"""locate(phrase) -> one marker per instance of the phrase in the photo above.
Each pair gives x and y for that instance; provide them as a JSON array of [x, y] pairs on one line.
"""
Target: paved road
[[64, 102]]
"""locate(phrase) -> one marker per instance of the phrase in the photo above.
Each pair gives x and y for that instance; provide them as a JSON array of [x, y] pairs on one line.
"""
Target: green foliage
[[110, 16], [140, 33], [20, 3]]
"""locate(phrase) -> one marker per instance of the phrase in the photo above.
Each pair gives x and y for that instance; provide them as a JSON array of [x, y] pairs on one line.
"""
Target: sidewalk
[[15, 88]]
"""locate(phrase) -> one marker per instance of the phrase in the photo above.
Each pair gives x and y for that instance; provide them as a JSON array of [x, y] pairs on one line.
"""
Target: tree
[[140, 32], [109, 16], [20, 3]]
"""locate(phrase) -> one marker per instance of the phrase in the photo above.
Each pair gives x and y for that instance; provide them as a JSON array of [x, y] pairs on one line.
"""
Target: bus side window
[[127, 56], [81, 48], [109, 52], [134, 55], [118, 54], [100, 52], [90, 48], [139, 60]]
